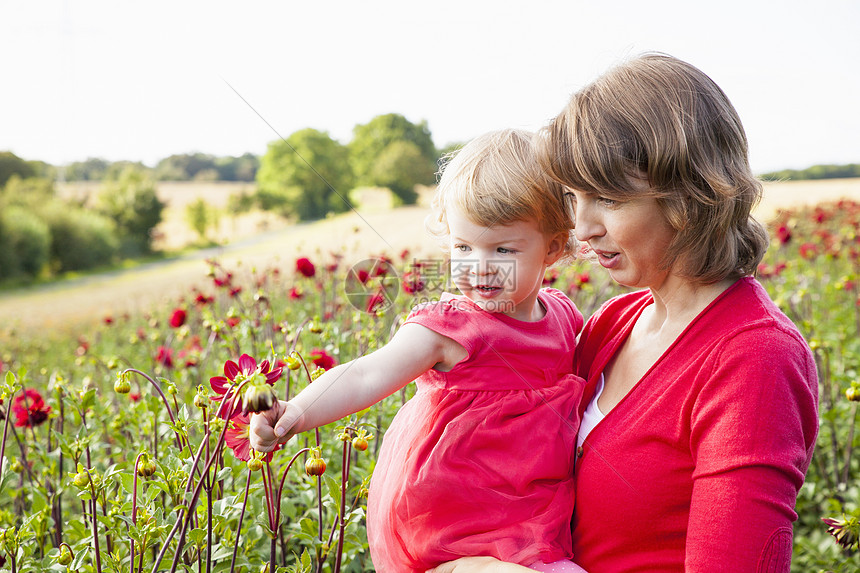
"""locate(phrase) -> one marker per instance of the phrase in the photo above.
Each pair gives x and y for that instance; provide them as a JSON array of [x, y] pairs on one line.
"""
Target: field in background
[[259, 239]]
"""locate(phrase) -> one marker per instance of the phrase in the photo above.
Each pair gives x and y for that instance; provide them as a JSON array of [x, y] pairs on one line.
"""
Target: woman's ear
[[555, 247]]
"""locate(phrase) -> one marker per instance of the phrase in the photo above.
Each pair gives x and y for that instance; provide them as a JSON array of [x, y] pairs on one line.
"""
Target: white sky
[[144, 80]]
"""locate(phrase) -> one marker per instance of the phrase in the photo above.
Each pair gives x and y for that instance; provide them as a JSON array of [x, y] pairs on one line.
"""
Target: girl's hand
[[477, 565], [268, 429]]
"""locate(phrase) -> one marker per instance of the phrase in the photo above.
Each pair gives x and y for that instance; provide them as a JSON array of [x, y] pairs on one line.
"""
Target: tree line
[[815, 172]]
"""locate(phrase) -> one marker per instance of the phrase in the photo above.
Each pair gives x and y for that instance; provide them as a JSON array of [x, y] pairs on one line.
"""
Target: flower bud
[[258, 397], [65, 556], [314, 327], [315, 465], [81, 479], [255, 464], [293, 363], [853, 393], [122, 385]]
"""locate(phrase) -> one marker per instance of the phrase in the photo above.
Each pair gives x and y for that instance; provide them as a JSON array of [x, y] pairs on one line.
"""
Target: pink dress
[[480, 460]]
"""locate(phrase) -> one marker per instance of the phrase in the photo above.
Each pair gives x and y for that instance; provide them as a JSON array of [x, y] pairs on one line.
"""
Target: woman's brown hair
[[663, 120]]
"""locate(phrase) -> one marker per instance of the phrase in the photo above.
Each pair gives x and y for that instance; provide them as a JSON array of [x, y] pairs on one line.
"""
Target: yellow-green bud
[[122, 385]]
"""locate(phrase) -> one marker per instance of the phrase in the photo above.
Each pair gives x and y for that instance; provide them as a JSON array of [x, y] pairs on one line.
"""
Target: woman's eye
[[606, 201]]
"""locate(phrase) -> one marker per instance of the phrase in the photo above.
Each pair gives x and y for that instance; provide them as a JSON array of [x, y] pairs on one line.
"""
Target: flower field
[[126, 448]]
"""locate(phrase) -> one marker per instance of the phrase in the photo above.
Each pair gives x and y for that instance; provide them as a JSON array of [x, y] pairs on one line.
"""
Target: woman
[[700, 410]]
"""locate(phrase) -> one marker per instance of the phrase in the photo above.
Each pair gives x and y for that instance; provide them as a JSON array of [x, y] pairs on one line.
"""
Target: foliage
[[399, 167], [205, 167], [80, 239], [200, 216], [31, 192], [369, 144], [11, 164], [25, 241], [815, 172], [93, 169], [132, 387], [306, 176], [131, 202]]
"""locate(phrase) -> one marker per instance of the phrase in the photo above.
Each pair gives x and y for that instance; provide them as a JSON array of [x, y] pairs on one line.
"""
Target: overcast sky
[[144, 80]]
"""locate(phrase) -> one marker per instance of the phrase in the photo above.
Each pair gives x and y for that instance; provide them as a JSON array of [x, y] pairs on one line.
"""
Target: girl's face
[[501, 268], [629, 237]]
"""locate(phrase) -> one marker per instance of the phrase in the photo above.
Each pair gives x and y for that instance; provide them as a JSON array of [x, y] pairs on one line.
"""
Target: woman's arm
[[355, 385]]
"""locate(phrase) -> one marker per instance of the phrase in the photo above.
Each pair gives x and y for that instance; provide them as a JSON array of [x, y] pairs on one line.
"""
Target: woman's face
[[629, 237]]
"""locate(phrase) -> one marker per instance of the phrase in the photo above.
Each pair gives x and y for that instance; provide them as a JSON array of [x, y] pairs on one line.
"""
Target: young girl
[[478, 462]]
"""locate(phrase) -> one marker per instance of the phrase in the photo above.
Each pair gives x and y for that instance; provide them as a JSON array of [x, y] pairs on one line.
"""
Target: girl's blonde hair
[[495, 179], [661, 119]]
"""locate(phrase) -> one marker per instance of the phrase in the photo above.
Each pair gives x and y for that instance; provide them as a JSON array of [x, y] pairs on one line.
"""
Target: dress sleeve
[[452, 317], [753, 426]]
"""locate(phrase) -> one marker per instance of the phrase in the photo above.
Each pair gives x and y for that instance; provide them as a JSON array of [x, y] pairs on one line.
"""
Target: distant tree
[[25, 240], [11, 164], [93, 169], [370, 140], [184, 166], [32, 192], [399, 167], [131, 202], [306, 176], [815, 172], [243, 168], [80, 239], [200, 215]]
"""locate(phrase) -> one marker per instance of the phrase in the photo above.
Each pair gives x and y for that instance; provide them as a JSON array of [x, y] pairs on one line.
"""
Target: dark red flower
[[191, 353], [362, 275], [305, 267], [550, 277], [134, 396], [783, 233], [413, 283], [322, 359], [235, 375], [202, 300], [375, 301], [235, 291], [29, 409], [232, 321], [295, 294], [164, 356], [178, 317], [108, 320], [238, 441], [808, 250]]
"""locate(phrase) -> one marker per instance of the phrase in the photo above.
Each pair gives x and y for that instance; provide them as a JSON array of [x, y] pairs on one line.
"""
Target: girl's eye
[[505, 251], [462, 248]]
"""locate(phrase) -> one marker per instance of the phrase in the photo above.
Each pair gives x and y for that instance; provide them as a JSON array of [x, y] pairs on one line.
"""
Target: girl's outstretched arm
[[478, 565], [356, 385]]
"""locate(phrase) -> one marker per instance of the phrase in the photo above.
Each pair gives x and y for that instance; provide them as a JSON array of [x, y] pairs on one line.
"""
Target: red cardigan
[[698, 467]]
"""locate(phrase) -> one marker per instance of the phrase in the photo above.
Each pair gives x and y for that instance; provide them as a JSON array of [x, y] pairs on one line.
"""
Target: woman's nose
[[586, 224]]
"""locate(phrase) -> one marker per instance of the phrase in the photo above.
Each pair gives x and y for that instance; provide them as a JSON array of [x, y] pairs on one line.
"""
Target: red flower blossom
[[178, 317], [191, 353], [322, 359], [413, 283], [164, 356], [808, 250], [295, 294], [783, 233], [29, 409], [235, 374], [235, 291], [134, 397], [363, 276], [550, 277], [232, 321], [305, 267], [375, 301], [238, 441], [108, 320], [202, 300]]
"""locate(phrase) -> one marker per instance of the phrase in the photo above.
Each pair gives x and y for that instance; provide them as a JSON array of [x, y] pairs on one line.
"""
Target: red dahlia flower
[[257, 395], [178, 317], [322, 359], [238, 441], [305, 267], [30, 409], [164, 356]]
